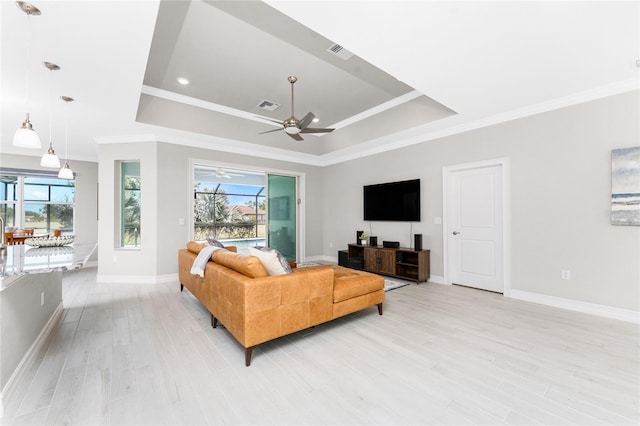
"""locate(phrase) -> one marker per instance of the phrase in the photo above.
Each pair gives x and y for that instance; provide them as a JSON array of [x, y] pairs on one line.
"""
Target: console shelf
[[400, 262]]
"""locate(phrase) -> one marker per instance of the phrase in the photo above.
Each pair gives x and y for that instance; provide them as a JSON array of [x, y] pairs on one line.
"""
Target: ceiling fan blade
[[269, 131], [312, 130], [296, 136], [306, 120], [270, 119]]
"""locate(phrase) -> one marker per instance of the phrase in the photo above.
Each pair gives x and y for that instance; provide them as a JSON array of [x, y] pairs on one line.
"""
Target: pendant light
[[66, 172], [50, 159], [25, 136]]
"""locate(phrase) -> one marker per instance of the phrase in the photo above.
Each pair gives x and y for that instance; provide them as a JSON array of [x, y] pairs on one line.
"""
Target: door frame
[[447, 179], [300, 202]]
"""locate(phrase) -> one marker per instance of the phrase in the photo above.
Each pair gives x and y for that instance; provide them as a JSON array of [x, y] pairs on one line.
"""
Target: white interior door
[[475, 228]]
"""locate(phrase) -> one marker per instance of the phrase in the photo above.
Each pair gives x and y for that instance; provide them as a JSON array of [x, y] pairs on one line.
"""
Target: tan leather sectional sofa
[[255, 307]]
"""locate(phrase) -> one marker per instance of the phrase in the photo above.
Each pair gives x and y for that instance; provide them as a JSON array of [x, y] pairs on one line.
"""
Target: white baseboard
[[137, 279], [28, 358], [577, 305], [436, 279], [321, 258]]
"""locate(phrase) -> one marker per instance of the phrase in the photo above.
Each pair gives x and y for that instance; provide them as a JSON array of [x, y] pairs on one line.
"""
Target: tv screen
[[393, 201]]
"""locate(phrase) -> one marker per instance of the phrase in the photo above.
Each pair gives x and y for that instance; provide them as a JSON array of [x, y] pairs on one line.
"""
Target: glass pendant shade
[[65, 172], [50, 159], [26, 137]]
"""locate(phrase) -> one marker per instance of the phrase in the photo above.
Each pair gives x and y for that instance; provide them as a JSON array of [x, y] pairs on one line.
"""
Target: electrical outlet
[[330, 245], [115, 258], [566, 275], [181, 221]]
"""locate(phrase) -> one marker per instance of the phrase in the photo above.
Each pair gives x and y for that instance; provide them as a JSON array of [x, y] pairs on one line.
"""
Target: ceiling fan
[[292, 126], [221, 173]]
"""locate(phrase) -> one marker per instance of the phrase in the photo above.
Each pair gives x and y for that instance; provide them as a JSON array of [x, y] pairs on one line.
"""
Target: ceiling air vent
[[268, 105], [340, 52]]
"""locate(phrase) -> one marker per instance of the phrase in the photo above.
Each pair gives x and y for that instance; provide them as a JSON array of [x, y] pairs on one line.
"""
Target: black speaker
[[417, 242], [355, 262], [343, 258], [373, 241]]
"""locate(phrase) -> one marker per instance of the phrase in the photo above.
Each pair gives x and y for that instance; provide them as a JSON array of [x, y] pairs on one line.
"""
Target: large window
[[130, 204], [38, 201], [229, 204]]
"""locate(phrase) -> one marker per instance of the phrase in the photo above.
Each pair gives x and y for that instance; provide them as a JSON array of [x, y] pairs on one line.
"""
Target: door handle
[[456, 233]]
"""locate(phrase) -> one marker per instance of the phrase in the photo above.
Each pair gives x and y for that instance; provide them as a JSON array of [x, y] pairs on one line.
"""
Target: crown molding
[[445, 127], [454, 125]]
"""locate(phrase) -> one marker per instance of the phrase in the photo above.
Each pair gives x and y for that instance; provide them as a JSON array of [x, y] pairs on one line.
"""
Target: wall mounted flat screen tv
[[393, 201]]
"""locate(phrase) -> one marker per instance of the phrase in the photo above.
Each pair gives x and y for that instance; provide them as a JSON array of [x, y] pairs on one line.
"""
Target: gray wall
[[560, 198], [113, 260], [174, 194], [560, 195], [22, 317], [86, 224], [165, 170]]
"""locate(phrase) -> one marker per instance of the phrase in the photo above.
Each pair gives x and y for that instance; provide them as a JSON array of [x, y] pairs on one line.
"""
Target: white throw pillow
[[213, 242], [272, 260]]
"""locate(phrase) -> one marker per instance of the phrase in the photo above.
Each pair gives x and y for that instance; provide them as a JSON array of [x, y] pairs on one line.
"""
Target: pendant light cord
[[28, 56], [50, 108], [66, 136]]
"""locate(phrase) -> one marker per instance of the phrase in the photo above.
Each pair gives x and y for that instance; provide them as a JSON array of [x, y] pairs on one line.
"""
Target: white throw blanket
[[201, 260]]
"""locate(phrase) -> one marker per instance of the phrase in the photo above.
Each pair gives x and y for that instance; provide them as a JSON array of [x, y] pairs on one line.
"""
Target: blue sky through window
[[249, 190]]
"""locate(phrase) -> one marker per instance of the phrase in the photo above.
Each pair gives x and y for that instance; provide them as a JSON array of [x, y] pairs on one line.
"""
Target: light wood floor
[[146, 355]]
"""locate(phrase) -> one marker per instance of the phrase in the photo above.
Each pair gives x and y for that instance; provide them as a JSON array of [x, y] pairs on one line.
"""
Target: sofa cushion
[[274, 262], [349, 284], [194, 247], [249, 266]]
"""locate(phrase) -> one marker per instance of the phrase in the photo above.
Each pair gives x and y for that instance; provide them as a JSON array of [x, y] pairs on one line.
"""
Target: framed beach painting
[[625, 186]]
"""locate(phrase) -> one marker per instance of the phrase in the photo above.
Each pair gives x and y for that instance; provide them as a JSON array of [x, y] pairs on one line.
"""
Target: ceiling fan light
[[50, 159], [65, 172], [26, 137], [292, 130]]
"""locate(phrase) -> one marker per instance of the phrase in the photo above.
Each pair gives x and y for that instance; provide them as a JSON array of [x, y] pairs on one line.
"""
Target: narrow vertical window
[[130, 204]]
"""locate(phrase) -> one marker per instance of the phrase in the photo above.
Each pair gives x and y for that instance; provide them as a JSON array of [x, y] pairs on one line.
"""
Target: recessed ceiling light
[[183, 81]]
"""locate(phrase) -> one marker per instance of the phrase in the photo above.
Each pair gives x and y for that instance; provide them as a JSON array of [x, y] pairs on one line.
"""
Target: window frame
[[21, 204], [122, 209]]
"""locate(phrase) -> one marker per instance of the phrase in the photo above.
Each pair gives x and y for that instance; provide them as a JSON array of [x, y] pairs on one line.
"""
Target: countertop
[[23, 259]]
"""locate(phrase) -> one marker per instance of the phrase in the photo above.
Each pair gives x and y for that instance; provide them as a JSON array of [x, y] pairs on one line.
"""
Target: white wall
[[174, 195], [165, 170], [560, 198], [86, 225], [560, 195], [115, 262]]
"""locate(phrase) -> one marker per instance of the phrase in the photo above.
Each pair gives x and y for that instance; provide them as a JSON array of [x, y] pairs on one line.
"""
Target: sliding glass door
[[282, 214]]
